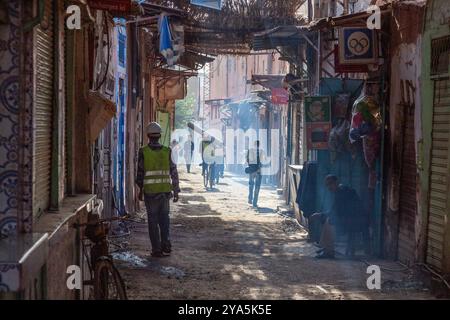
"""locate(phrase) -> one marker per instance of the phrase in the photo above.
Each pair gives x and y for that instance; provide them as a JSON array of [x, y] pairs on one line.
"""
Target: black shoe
[[167, 248], [319, 251], [157, 254]]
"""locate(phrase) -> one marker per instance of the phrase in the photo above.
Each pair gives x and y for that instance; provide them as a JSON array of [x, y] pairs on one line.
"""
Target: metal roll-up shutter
[[408, 183], [43, 105], [440, 173]]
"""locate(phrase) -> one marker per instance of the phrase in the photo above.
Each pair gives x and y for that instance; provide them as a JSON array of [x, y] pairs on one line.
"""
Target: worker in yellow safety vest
[[157, 180]]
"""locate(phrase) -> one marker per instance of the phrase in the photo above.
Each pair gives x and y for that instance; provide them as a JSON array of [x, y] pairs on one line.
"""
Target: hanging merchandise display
[[339, 141], [366, 125], [340, 105]]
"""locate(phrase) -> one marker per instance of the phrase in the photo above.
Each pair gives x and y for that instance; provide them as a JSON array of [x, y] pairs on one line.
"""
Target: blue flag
[[165, 40], [213, 4]]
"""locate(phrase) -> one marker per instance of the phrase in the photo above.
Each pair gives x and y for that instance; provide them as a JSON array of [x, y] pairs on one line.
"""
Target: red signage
[[111, 5], [347, 68], [317, 135], [280, 96]]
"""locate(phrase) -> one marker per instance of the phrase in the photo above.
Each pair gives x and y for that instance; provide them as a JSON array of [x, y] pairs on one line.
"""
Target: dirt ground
[[224, 249]]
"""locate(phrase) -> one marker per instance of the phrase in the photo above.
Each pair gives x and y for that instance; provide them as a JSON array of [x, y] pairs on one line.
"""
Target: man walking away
[[254, 160], [188, 153], [157, 178]]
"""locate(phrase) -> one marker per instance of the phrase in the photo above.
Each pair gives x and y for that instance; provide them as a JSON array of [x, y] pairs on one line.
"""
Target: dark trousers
[[188, 167], [158, 220], [254, 184]]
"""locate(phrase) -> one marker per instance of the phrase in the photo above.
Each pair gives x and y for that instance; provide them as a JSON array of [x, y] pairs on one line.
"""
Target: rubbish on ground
[[130, 258], [172, 272]]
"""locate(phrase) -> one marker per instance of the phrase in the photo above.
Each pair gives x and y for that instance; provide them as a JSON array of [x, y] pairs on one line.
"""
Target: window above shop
[[440, 52]]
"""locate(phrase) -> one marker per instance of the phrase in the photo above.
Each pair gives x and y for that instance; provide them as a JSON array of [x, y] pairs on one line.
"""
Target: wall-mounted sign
[[357, 46], [347, 68], [212, 4], [317, 135], [280, 96], [318, 109], [111, 5]]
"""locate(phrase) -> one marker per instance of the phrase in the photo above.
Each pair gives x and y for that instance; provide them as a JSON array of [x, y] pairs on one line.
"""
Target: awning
[[101, 111], [348, 20], [219, 102], [281, 36], [151, 9], [268, 81], [194, 61]]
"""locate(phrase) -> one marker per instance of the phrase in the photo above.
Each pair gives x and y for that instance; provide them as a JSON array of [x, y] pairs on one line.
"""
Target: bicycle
[[209, 175], [105, 278]]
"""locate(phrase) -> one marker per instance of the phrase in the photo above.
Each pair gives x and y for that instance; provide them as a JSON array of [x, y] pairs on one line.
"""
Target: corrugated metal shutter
[[44, 65], [407, 201], [439, 175]]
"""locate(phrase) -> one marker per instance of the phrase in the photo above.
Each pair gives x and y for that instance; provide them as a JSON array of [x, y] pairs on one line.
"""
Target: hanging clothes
[[306, 195]]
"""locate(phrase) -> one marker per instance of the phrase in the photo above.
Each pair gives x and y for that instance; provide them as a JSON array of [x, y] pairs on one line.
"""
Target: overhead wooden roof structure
[[229, 30]]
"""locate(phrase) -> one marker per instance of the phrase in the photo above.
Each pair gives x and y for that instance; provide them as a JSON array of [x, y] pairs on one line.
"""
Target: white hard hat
[[154, 128]]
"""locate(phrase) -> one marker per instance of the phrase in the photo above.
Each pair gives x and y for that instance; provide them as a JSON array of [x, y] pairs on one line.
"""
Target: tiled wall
[[9, 119]]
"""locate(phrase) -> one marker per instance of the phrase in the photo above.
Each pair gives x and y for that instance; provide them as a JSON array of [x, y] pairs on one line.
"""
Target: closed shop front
[[439, 208], [43, 105], [408, 185]]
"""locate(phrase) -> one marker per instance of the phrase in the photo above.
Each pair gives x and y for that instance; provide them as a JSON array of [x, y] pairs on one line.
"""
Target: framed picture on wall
[[317, 109]]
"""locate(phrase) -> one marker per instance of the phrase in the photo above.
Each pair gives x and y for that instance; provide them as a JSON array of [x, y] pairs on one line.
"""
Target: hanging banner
[[110, 5], [212, 4], [280, 96], [357, 46]]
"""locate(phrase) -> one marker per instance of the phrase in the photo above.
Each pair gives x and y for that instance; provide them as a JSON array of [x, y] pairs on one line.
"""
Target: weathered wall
[[405, 54], [65, 247], [229, 74]]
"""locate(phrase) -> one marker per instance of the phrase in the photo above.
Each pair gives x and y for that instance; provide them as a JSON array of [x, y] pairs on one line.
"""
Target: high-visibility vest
[[157, 170]]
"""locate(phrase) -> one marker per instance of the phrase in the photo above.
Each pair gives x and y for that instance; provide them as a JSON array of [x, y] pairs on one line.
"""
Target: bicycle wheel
[[108, 284], [206, 177], [212, 174]]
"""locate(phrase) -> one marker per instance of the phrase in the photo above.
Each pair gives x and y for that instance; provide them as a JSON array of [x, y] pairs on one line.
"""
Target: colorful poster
[[318, 109], [317, 135], [357, 46]]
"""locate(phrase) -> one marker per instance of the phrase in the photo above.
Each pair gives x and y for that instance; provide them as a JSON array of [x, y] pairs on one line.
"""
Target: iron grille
[[440, 51]]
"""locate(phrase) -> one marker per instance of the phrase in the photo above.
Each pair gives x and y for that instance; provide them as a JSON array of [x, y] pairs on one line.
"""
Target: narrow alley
[[224, 249], [224, 149]]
